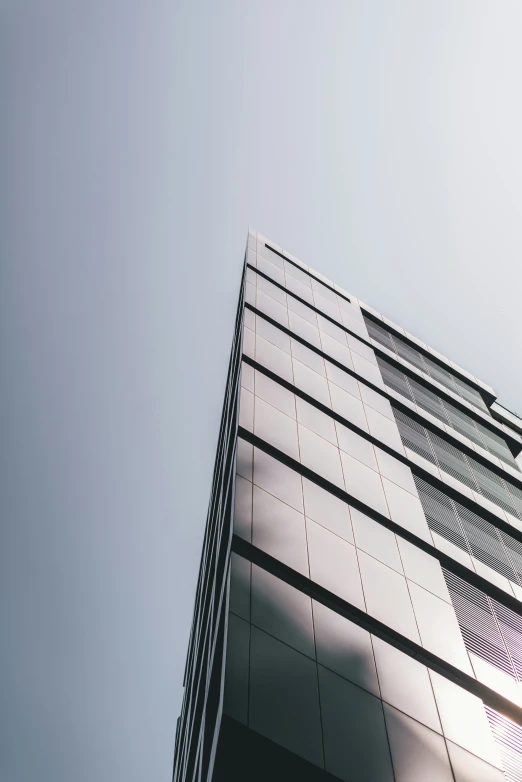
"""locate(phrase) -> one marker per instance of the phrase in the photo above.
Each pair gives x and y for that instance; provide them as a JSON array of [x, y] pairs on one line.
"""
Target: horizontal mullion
[[426, 353], [353, 614], [450, 491], [454, 441], [444, 559], [323, 408], [305, 271], [310, 306], [486, 421]]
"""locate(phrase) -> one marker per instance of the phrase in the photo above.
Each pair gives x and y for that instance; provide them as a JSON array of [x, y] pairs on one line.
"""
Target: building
[[359, 607]]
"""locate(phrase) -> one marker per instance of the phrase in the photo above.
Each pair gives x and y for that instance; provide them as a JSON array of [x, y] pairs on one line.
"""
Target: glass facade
[[359, 608]]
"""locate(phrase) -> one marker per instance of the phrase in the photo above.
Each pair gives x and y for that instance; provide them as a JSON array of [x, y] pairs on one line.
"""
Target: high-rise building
[[359, 607]]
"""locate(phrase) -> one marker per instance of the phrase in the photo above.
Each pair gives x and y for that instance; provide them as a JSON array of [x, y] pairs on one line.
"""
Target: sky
[[377, 140]]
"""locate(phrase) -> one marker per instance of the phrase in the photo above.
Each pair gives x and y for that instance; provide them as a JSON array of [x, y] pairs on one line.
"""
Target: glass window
[[405, 684], [301, 290], [348, 406], [355, 742], [264, 252], [246, 409], [320, 456], [302, 310], [376, 540], [249, 342], [469, 768], [406, 510], [240, 586], [387, 597], [271, 290], [377, 401], [303, 278], [463, 719], [316, 421], [304, 329], [356, 446], [282, 611], [247, 377], [279, 530], [273, 358], [418, 753], [272, 308], [244, 459], [250, 320], [272, 334], [367, 370], [363, 483], [353, 324], [278, 479], [330, 328], [330, 308], [439, 628], [322, 290], [311, 383], [333, 348], [308, 357], [327, 510], [275, 394], [396, 471], [383, 429], [250, 294], [284, 698], [343, 380], [276, 428], [236, 669], [243, 507], [356, 346], [423, 569], [344, 648], [333, 564]]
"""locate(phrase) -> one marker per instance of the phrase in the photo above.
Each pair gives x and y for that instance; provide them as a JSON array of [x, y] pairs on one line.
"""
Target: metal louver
[[414, 436], [440, 513], [485, 542], [452, 461], [496, 445], [464, 468], [394, 379], [492, 486], [511, 628], [514, 551], [508, 736], [478, 623], [409, 353], [379, 334]]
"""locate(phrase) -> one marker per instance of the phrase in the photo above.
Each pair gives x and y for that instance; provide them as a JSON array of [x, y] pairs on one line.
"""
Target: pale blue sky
[[379, 141]]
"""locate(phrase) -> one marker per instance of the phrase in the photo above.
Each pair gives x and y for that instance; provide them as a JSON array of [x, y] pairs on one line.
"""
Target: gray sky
[[378, 141]]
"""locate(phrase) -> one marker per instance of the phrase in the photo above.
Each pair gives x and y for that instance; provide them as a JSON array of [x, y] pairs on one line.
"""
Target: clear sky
[[378, 140]]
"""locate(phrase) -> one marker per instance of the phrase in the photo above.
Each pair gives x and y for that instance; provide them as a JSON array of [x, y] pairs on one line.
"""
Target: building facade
[[359, 606]]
